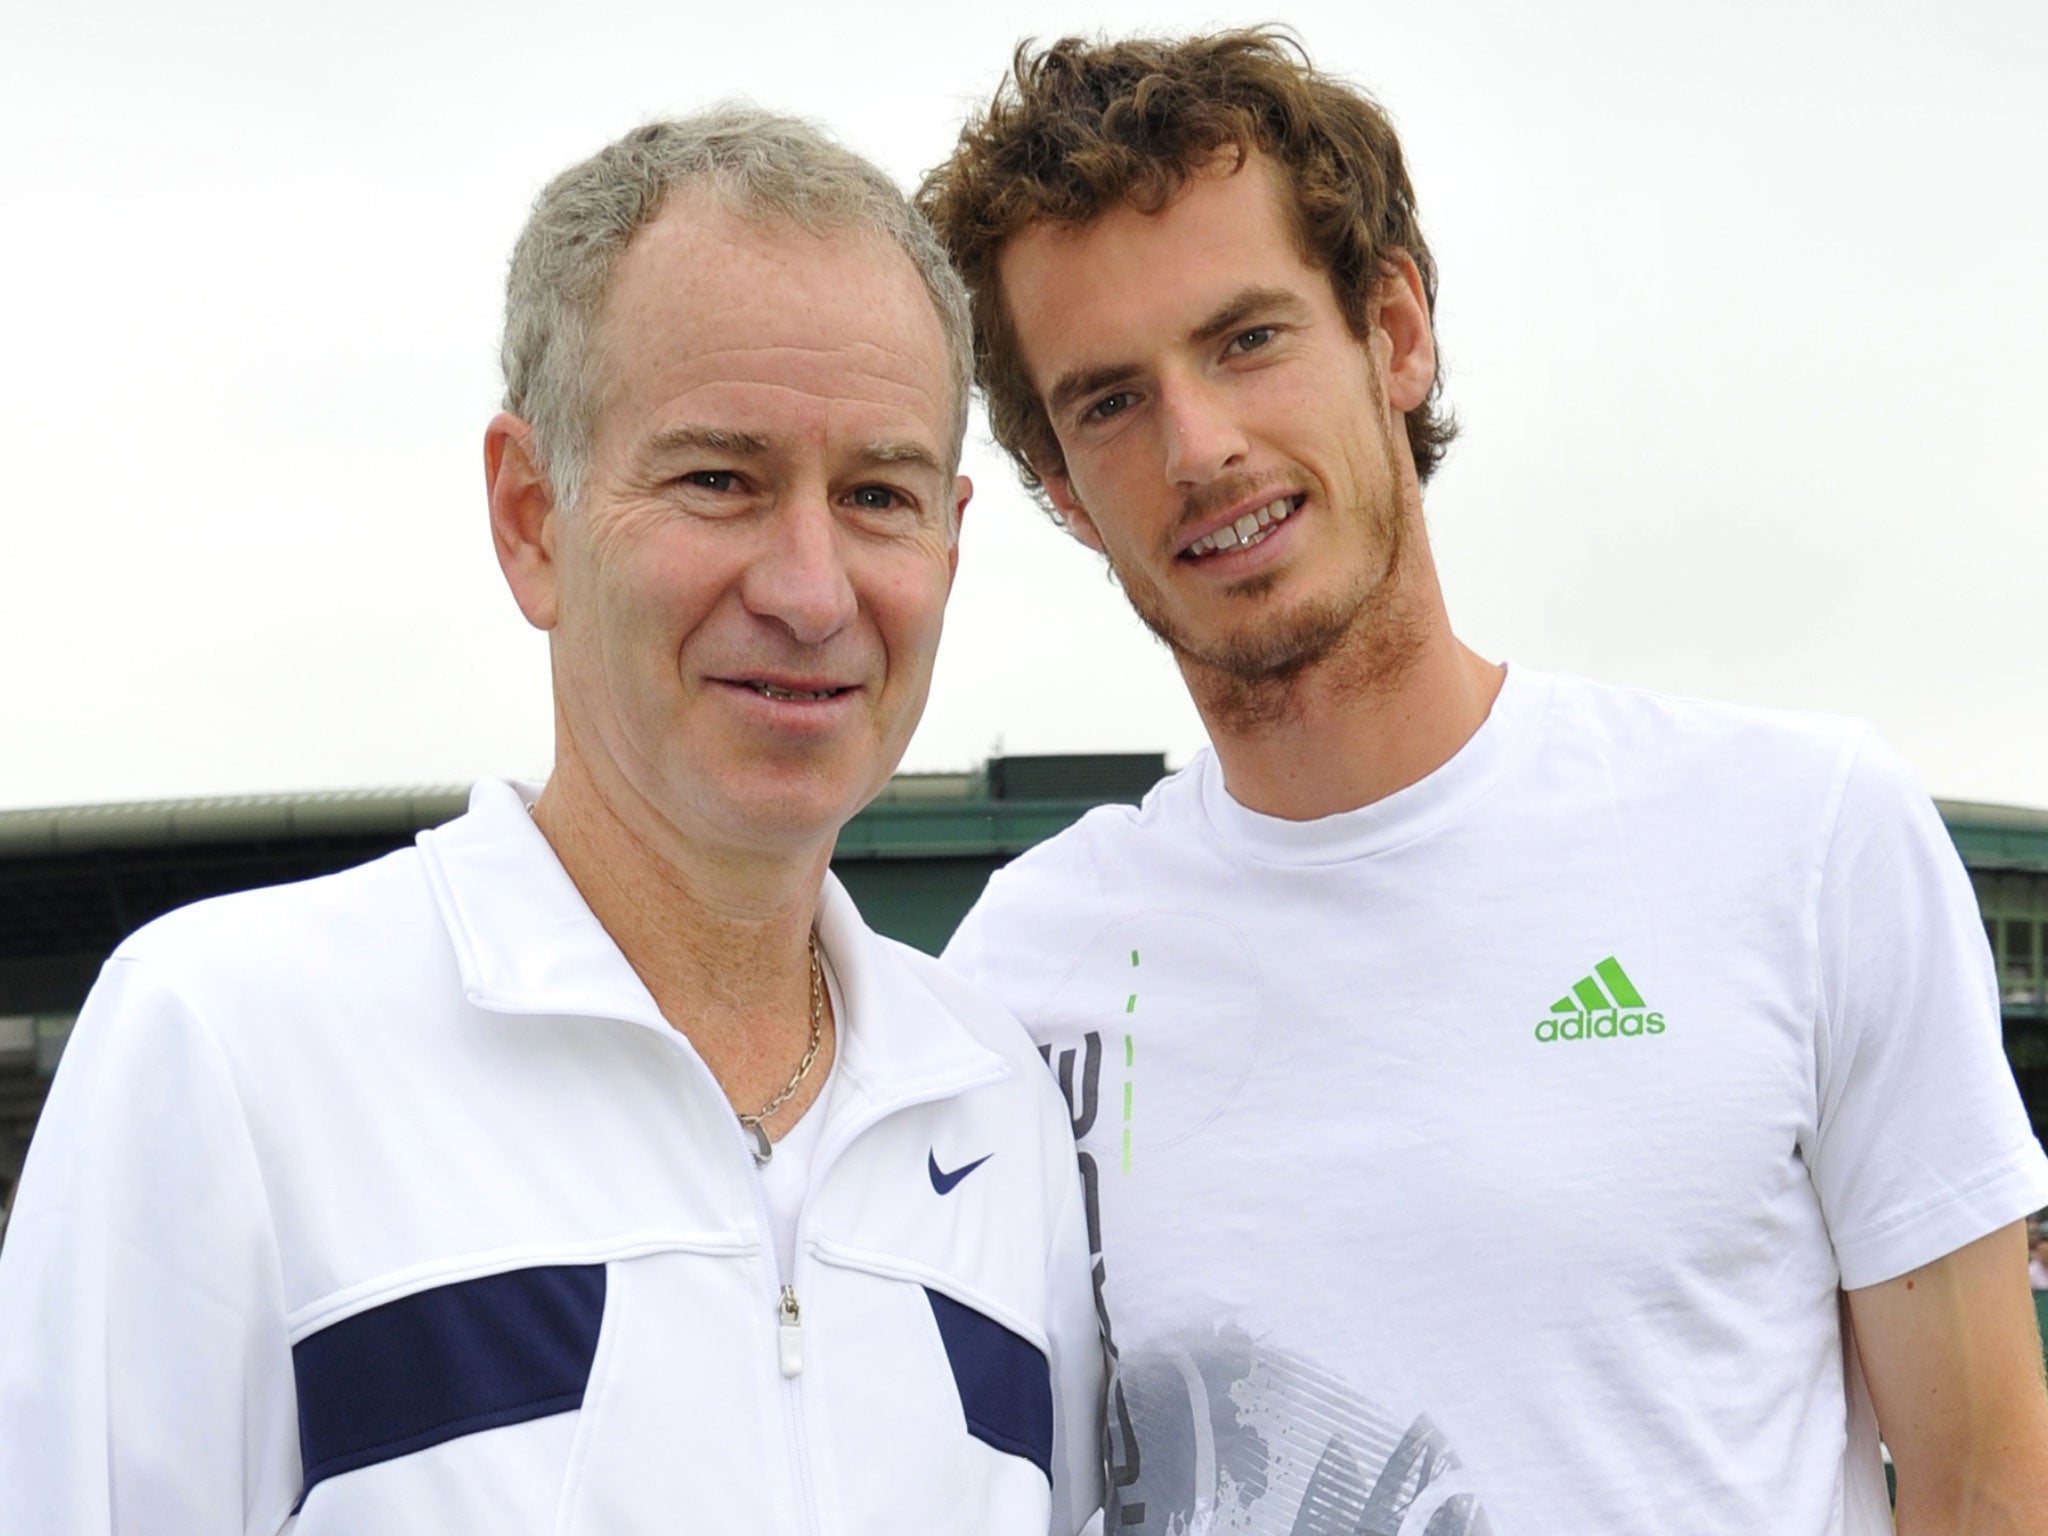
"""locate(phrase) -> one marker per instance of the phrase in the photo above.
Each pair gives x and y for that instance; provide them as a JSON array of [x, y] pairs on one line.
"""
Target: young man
[[1693, 998], [591, 1167]]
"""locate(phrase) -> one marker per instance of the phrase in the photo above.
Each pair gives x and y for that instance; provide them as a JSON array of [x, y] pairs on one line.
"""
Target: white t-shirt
[[786, 1176], [1489, 1158]]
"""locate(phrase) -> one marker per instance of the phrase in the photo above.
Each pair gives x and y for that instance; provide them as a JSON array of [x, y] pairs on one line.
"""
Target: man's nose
[[799, 578], [1203, 438]]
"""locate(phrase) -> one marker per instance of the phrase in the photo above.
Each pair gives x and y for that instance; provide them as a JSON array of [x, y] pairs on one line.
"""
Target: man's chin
[[1276, 650], [777, 806]]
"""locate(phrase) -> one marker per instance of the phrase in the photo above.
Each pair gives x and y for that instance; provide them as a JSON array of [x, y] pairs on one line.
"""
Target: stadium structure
[[75, 881]]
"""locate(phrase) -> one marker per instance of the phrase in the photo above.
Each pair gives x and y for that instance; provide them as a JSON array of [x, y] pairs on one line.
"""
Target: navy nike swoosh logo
[[943, 1182]]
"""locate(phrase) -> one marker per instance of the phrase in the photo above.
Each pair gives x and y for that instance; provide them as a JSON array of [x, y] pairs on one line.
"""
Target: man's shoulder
[[1058, 898], [1109, 842], [1684, 723], [284, 979], [1758, 767], [335, 922]]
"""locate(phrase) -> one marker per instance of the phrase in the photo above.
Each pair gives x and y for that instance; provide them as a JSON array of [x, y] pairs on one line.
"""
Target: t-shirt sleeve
[[145, 1370], [1921, 1144]]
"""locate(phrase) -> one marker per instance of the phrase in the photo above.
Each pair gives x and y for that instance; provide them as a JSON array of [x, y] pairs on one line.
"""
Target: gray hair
[[760, 166]]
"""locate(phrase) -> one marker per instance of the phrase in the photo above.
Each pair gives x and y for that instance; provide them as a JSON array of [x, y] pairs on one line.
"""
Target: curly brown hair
[[1083, 127]]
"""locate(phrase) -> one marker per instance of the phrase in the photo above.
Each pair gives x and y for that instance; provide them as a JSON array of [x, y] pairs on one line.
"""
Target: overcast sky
[[1742, 306]]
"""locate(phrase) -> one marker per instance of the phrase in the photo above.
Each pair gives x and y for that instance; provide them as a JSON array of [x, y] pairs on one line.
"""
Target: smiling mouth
[[800, 695], [1250, 529]]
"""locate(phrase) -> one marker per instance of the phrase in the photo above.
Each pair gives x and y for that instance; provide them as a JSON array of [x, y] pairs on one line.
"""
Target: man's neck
[[719, 936], [1389, 706]]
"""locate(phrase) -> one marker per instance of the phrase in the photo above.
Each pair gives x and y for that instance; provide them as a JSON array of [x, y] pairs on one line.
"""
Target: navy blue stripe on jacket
[[446, 1362], [1004, 1379]]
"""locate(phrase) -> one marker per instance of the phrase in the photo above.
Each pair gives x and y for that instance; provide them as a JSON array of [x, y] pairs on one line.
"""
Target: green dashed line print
[[1130, 1054]]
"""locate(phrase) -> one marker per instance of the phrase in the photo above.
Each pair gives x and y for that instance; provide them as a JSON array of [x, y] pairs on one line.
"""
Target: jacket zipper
[[790, 1334], [789, 1338], [789, 1349]]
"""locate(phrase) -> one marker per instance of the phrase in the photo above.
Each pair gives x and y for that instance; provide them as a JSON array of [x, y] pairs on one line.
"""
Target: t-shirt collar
[[1430, 803]]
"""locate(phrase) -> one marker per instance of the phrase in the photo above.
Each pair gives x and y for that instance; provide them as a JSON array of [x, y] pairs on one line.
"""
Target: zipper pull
[[790, 1335]]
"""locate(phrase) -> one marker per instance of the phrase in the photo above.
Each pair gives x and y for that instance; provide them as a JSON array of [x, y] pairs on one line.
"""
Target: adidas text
[[1608, 1025]]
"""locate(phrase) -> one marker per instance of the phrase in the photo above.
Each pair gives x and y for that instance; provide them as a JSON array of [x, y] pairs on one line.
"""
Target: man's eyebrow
[[685, 439], [901, 451], [716, 439], [1245, 305], [1082, 382]]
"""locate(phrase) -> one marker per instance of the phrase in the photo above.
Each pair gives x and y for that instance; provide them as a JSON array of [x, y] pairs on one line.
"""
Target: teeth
[[771, 691], [1248, 529]]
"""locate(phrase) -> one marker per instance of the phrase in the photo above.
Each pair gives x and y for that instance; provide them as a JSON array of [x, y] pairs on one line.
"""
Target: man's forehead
[[753, 318], [1234, 214]]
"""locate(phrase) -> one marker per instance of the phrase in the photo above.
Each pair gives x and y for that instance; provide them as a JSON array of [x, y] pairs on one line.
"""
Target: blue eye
[[1108, 406], [711, 479], [1253, 339], [877, 498]]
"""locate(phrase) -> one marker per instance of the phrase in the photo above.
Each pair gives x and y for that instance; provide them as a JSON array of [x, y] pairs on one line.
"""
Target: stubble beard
[[1356, 642]]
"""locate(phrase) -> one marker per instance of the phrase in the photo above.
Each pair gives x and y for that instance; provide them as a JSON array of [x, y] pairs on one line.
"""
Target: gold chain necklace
[[763, 1147]]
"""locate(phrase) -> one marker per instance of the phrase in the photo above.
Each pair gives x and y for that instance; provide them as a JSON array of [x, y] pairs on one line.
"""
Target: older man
[[590, 1167], [1695, 998]]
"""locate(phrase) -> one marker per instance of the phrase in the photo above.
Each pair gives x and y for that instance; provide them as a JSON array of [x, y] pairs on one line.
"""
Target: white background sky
[[1743, 307]]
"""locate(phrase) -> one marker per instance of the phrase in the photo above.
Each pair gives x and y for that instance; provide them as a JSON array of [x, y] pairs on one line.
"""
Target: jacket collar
[[526, 943], [524, 938], [897, 1042]]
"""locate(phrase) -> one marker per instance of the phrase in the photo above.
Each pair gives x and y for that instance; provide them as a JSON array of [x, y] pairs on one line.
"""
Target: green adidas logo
[[1589, 1013]]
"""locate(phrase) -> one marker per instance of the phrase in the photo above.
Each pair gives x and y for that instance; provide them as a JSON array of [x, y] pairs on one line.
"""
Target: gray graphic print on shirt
[[1222, 1435]]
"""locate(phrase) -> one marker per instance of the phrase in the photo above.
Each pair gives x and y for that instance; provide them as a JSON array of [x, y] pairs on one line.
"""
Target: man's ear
[[1399, 316], [1059, 490], [963, 492], [522, 517]]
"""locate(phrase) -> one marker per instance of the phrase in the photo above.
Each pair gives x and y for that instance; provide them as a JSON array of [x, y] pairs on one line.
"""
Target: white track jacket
[[390, 1203]]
